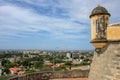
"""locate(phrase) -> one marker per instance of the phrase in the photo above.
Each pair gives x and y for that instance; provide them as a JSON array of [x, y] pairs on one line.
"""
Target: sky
[[50, 24]]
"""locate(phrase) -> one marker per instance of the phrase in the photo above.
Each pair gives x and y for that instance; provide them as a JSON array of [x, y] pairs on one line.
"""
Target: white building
[[69, 55], [0, 69]]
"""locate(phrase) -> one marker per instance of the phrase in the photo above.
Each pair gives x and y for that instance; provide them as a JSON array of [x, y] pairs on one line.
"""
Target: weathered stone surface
[[106, 66], [118, 76], [113, 33], [53, 75]]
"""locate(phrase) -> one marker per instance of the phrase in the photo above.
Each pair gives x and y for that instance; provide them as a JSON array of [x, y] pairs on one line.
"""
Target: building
[[69, 55], [14, 70], [0, 69], [105, 37]]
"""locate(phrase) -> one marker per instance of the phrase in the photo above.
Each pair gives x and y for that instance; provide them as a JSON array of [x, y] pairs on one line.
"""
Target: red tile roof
[[21, 72], [15, 69]]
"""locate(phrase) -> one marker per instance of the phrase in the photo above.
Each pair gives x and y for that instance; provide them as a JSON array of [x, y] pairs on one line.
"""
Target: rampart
[[52, 75]]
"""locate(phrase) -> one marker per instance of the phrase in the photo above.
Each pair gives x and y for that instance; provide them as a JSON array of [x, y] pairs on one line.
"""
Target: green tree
[[38, 65], [4, 62], [7, 64], [29, 71], [69, 63], [3, 77], [26, 63], [60, 68]]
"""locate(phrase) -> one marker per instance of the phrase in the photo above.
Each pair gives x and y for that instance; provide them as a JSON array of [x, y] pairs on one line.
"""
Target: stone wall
[[53, 75], [106, 65], [33, 76], [71, 74], [113, 33]]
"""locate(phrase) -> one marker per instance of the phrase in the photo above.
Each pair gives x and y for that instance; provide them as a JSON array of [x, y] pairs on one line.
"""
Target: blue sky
[[50, 24]]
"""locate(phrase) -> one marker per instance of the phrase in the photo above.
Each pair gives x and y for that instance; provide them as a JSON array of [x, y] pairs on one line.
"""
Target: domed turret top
[[99, 10]]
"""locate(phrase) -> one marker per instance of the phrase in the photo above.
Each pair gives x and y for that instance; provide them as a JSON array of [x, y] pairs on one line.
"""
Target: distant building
[[0, 69], [69, 55], [14, 70], [14, 59], [77, 61], [21, 72]]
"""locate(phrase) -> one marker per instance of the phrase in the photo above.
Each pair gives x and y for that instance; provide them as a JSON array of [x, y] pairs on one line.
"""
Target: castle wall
[[113, 33], [106, 65], [52, 75]]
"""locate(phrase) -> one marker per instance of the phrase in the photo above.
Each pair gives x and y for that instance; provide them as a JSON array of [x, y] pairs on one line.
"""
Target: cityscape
[[59, 40], [21, 62]]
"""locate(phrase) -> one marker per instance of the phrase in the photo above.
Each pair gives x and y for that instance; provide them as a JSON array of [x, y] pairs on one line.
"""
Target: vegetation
[[7, 64], [29, 71], [38, 65], [60, 68], [46, 68], [31, 62], [3, 77], [9, 54]]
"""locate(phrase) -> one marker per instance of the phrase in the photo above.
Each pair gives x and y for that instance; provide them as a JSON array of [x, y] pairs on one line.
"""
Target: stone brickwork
[[106, 65], [53, 75], [113, 33], [33, 76], [71, 74]]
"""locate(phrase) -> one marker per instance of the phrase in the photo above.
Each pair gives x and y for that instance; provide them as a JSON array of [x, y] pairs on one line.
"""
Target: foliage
[[3, 77], [7, 64], [85, 63], [38, 64], [68, 63], [39, 58], [29, 71], [60, 68], [87, 59], [4, 62], [46, 68], [26, 62], [9, 54], [74, 65]]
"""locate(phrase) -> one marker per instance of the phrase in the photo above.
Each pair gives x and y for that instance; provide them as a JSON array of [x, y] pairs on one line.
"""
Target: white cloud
[[16, 19]]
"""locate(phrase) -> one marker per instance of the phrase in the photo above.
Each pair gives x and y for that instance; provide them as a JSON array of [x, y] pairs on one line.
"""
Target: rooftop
[[99, 10], [15, 69]]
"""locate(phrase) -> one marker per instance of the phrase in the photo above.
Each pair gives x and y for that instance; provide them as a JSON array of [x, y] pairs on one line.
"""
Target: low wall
[[52, 75], [71, 74]]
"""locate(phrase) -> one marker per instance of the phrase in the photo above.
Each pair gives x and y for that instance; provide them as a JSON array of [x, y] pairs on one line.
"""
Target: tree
[[7, 64], [3, 77], [69, 63], [26, 63], [38, 65], [29, 71], [60, 68], [4, 62]]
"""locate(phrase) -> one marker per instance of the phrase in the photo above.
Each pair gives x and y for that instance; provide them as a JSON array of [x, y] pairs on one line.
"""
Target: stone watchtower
[[105, 38]]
